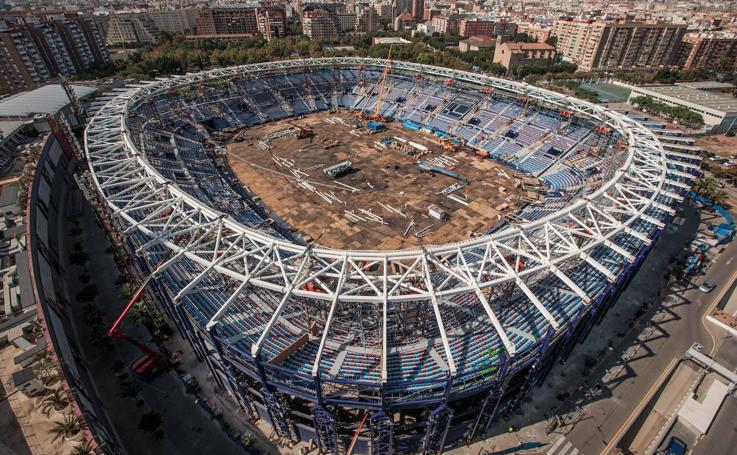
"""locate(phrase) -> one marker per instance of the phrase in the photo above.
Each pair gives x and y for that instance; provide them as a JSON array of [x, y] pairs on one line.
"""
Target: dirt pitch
[[387, 183]]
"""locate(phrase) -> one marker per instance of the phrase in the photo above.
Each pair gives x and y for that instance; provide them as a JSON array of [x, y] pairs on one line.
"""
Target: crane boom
[[387, 67], [147, 364]]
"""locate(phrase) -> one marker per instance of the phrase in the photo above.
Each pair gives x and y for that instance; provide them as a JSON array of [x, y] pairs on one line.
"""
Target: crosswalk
[[562, 447]]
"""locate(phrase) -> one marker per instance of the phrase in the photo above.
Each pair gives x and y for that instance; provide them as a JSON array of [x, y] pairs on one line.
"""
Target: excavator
[[147, 365], [303, 132]]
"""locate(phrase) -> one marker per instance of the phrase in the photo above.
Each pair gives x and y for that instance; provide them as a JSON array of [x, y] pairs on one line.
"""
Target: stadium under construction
[[516, 216]]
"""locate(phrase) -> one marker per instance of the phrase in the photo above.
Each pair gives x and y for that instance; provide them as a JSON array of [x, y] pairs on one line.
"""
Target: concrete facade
[[618, 45]]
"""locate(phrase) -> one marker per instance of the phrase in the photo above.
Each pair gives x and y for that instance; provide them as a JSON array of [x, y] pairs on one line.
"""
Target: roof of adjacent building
[[481, 38], [48, 99], [707, 85], [405, 16], [520, 46], [710, 100]]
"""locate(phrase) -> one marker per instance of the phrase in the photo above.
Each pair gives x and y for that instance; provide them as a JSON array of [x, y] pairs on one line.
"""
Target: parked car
[[707, 286], [676, 446]]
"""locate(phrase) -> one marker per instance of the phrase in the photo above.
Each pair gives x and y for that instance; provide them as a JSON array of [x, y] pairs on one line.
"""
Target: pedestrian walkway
[[562, 447]]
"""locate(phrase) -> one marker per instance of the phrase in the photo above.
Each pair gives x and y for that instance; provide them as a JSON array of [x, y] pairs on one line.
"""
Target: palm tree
[[66, 428], [56, 401], [37, 330], [86, 448], [46, 366]]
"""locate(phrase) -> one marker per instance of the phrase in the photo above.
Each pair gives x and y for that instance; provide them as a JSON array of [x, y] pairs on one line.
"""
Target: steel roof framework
[[141, 199]]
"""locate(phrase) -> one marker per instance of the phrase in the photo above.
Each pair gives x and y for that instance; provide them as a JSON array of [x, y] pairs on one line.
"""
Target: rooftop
[[529, 46], [710, 100], [48, 99]]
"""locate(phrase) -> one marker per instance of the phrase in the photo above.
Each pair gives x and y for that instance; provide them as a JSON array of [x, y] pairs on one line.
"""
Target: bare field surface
[[385, 182]]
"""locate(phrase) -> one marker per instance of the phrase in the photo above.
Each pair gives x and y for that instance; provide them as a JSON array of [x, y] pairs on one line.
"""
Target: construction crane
[[377, 111], [147, 364]]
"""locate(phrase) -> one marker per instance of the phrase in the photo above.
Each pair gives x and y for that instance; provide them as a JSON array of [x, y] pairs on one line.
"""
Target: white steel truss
[[142, 200]]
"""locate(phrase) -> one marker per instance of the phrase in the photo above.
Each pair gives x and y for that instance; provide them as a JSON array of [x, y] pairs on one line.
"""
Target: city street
[[671, 331]]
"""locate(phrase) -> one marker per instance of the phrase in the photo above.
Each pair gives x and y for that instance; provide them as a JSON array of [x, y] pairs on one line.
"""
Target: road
[[672, 329], [722, 436]]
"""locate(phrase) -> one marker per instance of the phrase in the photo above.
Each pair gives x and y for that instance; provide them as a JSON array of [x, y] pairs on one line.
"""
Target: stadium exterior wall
[[48, 197]]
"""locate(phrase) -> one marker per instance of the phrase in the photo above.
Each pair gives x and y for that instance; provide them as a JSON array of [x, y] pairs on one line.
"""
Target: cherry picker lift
[[148, 364]]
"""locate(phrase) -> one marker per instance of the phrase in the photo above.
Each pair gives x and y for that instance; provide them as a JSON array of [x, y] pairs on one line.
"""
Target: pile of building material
[[337, 170], [280, 133]]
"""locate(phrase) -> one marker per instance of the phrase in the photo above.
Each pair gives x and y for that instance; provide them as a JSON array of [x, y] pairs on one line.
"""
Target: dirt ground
[[719, 144], [385, 182]]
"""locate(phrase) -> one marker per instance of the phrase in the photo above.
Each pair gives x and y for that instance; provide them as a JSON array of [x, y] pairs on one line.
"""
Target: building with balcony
[[616, 45], [471, 27], [714, 50]]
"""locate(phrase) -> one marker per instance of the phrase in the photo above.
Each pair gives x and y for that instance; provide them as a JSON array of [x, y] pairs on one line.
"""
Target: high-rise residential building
[[38, 48], [445, 24], [367, 19], [402, 6], [181, 20], [384, 10], [471, 27], [346, 22], [234, 20], [614, 45], [129, 28], [714, 50], [23, 68], [268, 21], [271, 22], [418, 9], [320, 24]]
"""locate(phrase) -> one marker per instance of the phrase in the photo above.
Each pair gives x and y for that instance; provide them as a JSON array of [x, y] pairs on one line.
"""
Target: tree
[[552, 40], [523, 38], [66, 428], [57, 400], [85, 448], [709, 187]]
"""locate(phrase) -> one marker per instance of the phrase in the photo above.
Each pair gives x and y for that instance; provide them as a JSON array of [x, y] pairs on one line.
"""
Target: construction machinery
[[432, 169], [147, 365], [303, 132], [376, 115], [453, 143]]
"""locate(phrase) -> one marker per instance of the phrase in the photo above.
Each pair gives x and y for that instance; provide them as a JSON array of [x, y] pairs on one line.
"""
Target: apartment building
[[384, 10], [367, 19], [346, 22], [271, 22], [24, 68], [320, 24], [445, 24], [129, 29], [418, 9], [471, 27], [180, 21], [402, 6], [618, 45], [715, 50], [38, 48]]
